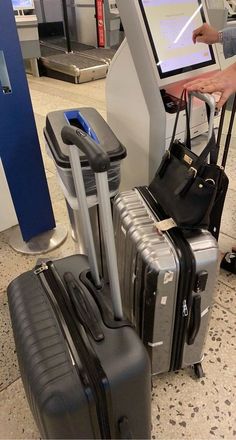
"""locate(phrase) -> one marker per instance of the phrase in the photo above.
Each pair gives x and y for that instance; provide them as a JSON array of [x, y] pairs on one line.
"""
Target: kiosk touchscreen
[[170, 25], [146, 79], [22, 4]]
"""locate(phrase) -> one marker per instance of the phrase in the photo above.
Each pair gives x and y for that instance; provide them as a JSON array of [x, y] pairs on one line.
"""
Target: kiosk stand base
[[40, 244]]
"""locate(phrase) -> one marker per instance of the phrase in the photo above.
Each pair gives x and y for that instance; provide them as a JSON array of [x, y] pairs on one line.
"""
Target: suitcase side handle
[[195, 319], [77, 139]]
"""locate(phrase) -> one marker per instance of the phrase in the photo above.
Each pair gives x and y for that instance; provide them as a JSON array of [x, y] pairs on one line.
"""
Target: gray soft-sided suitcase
[[86, 373], [167, 281]]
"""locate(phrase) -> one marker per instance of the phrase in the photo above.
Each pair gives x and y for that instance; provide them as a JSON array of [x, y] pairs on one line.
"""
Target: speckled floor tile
[[227, 278], [228, 226], [49, 174], [226, 296], [40, 123], [61, 95], [13, 264], [225, 243], [55, 189], [230, 164], [16, 421], [184, 407], [9, 370]]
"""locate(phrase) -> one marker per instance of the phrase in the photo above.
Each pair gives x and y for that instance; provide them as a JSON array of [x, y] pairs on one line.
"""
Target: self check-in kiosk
[[146, 76]]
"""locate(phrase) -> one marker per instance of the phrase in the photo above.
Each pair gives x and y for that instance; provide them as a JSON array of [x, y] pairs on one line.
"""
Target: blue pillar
[[19, 145]]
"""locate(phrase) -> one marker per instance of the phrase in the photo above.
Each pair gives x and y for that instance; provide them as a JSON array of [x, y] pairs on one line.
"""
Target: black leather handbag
[[185, 185]]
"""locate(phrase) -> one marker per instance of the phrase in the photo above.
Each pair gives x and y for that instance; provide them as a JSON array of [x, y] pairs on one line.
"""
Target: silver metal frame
[[210, 101], [83, 207], [107, 228], [109, 241]]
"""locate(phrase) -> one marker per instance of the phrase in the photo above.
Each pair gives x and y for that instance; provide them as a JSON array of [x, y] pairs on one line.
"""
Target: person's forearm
[[229, 42]]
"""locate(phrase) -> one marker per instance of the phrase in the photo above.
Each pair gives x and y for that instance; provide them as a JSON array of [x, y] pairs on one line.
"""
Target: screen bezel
[[23, 8], [181, 70]]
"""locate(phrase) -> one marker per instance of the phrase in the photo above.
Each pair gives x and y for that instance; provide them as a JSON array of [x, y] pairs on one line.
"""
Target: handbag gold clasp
[[188, 159]]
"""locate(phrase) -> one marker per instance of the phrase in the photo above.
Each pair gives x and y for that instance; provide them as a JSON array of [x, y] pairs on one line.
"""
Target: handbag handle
[[210, 101], [183, 97], [210, 111], [228, 137]]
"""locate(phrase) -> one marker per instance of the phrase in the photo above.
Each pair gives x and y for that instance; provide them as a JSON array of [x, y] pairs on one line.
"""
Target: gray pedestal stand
[[40, 244]]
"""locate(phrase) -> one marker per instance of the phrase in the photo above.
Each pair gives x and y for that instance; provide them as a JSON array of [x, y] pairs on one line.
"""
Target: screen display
[[170, 24], [23, 4]]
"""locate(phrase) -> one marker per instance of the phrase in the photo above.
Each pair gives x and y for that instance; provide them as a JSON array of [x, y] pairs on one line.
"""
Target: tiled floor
[[182, 406]]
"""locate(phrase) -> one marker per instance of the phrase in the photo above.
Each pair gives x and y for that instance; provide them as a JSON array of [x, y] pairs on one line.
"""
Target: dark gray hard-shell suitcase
[[86, 373]]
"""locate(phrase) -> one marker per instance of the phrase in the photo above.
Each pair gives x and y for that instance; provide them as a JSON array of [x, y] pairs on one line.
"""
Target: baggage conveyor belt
[[74, 67], [85, 65]]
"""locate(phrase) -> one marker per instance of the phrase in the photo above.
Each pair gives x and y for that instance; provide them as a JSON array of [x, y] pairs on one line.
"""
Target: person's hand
[[223, 82], [205, 34]]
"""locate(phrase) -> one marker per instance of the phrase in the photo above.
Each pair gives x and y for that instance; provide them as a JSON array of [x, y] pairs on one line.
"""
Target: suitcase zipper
[[96, 378], [187, 270], [40, 269], [76, 362], [185, 308]]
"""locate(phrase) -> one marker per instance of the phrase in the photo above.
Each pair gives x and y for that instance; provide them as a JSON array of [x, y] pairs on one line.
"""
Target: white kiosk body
[[157, 57]]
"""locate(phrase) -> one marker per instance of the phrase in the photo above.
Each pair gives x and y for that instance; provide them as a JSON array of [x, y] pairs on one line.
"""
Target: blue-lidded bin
[[89, 120]]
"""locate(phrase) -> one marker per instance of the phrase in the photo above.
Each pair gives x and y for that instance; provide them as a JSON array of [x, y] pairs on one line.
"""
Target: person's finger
[[224, 97], [191, 83], [198, 30], [194, 86], [196, 33], [201, 39], [210, 88]]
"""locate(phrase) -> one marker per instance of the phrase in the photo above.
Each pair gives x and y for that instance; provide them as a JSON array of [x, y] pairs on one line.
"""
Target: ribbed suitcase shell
[[53, 387], [142, 251]]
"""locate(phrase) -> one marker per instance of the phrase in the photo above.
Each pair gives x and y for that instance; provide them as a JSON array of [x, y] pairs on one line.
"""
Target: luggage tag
[[166, 224]]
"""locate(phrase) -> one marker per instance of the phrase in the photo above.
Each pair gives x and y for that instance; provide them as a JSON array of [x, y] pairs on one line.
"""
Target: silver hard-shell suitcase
[[170, 279]]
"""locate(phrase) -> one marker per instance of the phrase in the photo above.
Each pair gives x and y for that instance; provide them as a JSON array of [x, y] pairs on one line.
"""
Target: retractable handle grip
[[211, 103], [97, 157], [100, 163]]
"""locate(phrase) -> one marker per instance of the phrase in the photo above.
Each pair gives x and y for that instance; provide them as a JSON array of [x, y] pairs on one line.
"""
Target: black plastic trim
[[72, 349], [55, 121], [97, 378], [149, 306], [186, 279], [97, 157]]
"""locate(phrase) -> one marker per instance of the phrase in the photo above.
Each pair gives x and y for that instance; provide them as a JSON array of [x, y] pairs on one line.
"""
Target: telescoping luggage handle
[[100, 163], [210, 101]]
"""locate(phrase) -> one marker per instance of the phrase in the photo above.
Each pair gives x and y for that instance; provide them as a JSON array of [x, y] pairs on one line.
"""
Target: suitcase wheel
[[198, 370]]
